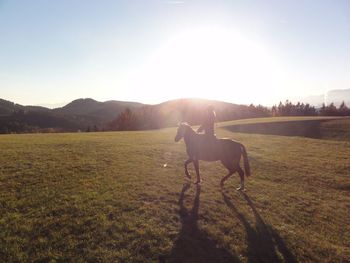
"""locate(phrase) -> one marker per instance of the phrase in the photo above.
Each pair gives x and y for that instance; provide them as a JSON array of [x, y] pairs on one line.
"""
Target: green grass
[[330, 128], [336, 129], [109, 197], [276, 119]]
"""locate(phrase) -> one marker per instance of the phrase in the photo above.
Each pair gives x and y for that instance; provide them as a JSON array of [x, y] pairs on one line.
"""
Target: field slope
[[122, 197]]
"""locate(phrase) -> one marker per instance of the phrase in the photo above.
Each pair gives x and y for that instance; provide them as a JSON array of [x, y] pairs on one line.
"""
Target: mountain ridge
[[335, 96], [87, 113]]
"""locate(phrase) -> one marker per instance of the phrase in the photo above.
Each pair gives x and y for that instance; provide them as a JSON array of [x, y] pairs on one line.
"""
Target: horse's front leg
[[189, 160], [196, 166]]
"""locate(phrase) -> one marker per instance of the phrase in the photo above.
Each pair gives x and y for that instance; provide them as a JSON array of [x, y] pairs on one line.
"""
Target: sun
[[211, 63]]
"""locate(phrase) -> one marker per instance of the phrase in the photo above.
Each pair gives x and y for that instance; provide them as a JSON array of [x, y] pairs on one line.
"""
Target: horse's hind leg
[[189, 160], [241, 175], [231, 170], [226, 177], [196, 167]]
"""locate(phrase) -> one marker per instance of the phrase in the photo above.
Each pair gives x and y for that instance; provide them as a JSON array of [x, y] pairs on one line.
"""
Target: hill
[[102, 111], [8, 107], [122, 197], [89, 114], [338, 96], [190, 110], [333, 96], [81, 114], [330, 128]]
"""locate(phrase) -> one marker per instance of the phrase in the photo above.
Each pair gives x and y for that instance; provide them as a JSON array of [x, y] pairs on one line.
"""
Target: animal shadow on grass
[[264, 243], [193, 244]]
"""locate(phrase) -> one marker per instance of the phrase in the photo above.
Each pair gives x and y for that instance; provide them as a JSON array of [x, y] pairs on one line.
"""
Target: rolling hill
[[77, 115], [336, 96], [83, 114], [333, 128], [91, 115], [191, 110], [102, 111]]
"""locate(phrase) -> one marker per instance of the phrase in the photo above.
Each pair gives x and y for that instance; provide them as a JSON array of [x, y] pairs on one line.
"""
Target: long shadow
[[264, 243], [194, 245]]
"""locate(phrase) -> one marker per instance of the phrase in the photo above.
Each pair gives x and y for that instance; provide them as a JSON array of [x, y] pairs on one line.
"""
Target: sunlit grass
[[329, 128], [276, 119], [104, 197]]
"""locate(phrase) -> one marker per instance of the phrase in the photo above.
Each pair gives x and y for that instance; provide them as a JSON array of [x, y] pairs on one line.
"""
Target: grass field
[[329, 128], [122, 197]]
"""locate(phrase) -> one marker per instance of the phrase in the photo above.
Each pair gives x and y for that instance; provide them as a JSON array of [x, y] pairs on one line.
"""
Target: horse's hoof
[[198, 182], [240, 189]]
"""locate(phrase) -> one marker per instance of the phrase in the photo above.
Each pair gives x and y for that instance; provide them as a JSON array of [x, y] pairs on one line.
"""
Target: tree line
[[301, 109], [151, 119], [155, 117]]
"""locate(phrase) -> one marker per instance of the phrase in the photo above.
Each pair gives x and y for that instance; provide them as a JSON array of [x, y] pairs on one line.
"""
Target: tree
[[343, 109], [126, 121]]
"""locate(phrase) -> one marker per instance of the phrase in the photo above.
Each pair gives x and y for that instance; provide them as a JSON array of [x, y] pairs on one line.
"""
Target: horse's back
[[213, 149], [228, 141], [206, 148], [230, 149]]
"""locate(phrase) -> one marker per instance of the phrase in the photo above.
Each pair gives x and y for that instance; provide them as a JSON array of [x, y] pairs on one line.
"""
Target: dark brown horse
[[202, 147]]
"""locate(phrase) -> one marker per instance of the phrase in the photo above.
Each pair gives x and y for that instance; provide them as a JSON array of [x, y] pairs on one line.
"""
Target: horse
[[209, 148]]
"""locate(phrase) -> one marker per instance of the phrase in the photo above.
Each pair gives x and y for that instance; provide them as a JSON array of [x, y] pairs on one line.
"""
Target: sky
[[150, 51]]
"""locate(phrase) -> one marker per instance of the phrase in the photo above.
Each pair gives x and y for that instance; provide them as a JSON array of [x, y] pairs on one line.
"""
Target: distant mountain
[[89, 114], [8, 107], [191, 110], [172, 112], [52, 105], [335, 96], [100, 111], [338, 96], [81, 114], [316, 100]]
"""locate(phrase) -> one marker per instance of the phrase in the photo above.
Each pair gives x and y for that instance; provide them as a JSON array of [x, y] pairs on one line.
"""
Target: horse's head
[[181, 130]]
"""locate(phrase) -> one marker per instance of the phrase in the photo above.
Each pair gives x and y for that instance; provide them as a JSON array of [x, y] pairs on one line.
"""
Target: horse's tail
[[246, 161]]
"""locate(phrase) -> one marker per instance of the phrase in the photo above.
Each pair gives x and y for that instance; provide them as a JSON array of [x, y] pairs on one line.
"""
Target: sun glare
[[211, 63]]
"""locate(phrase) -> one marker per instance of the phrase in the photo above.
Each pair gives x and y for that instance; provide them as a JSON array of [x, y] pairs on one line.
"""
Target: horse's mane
[[185, 124]]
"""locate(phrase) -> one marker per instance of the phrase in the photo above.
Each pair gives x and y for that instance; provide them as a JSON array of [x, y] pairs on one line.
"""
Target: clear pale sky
[[152, 51]]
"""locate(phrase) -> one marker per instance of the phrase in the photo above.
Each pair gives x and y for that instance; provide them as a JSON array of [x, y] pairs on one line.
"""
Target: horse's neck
[[190, 133]]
